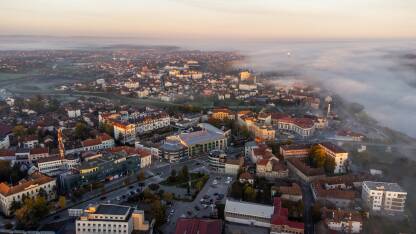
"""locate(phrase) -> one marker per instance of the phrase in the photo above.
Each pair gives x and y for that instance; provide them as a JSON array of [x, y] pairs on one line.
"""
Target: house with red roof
[[280, 222], [102, 141], [198, 226]]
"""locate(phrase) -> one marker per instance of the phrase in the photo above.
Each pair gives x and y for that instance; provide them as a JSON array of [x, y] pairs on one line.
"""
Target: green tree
[[167, 196], [318, 156], [236, 190], [185, 173], [32, 212], [81, 130], [43, 193], [199, 185], [158, 213], [62, 202], [107, 128], [15, 206], [249, 193], [19, 131], [141, 177], [329, 165]]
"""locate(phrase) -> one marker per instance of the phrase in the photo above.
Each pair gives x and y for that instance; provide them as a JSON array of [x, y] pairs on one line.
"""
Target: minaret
[[61, 145], [329, 110]]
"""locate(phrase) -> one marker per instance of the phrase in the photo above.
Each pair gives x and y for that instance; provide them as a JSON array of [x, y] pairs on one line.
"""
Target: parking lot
[[215, 190]]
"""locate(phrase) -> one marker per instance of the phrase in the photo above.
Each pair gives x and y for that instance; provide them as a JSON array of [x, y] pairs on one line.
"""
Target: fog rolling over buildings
[[380, 75]]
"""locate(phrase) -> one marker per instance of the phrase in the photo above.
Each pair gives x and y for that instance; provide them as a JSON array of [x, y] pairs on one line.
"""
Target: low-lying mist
[[381, 75]]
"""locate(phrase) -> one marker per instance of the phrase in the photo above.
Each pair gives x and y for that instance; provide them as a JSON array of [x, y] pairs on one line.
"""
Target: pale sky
[[248, 19]]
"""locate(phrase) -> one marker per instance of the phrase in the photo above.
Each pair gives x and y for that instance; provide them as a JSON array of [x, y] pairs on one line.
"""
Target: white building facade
[[383, 197]]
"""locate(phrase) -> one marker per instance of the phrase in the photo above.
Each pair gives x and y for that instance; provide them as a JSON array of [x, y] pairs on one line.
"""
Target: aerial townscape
[[207, 117]]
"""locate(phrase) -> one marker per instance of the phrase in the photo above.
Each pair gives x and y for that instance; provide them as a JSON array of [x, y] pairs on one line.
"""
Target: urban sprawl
[[170, 141]]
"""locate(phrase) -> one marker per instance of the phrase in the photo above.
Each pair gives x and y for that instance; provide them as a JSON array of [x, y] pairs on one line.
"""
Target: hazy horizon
[[264, 19]]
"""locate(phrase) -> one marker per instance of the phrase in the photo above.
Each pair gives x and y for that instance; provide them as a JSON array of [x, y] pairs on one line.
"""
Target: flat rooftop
[[391, 187], [110, 209], [247, 208]]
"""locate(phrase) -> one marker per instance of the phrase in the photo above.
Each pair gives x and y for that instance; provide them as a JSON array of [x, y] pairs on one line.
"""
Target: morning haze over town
[[207, 116]]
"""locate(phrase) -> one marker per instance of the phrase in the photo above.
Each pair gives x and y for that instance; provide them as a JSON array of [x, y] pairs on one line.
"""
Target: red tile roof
[[105, 137], [280, 216], [91, 142], [39, 151], [7, 153], [35, 179], [198, 226]]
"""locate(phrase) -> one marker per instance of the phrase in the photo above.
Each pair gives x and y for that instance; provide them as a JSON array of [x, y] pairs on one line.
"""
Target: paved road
[[308, 202]]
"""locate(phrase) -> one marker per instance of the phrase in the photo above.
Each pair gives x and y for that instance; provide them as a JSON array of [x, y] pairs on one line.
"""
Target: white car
[[214, 182], [172, 211]]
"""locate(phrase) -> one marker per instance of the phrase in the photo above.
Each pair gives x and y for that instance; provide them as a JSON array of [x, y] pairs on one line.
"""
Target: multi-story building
[[29, 142], [232, 166], [304, 127], [124, 132], [110, 218], [342, 220], [295, 151], [340, 191], [173, 150], [248, 213], [144, 155], [106, 167], [203, 141], [271, 168], [73, 112], [103, 141], [223, 114], [291, 193], [217, 159], [26, 188], [383, 197], [128, 124], [55, 165], [263, 132], [339, 155], [38, 153]]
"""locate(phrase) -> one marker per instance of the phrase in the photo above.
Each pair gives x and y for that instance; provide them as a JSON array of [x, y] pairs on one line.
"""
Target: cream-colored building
[[125, 132], [339, 155], [26, 188], [383, 196], [223, 114], [112, 219]]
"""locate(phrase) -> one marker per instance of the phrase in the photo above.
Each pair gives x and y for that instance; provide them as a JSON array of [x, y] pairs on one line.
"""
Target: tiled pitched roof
[[34, 179]]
